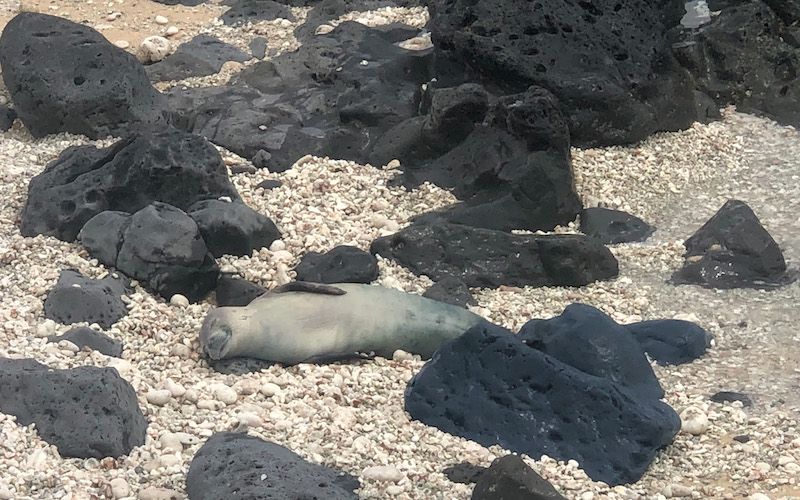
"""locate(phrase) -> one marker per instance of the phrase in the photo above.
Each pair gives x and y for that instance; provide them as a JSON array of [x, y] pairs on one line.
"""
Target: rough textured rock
[[319, 99], [509, 478], [76, 298], [464, 472], [7, 117], [242, 11], [202, 55], [232, 228], [258, 47], [733, 250], [513, 171], [161, 165], [588, 339], [451, 290], [236, 292], [489, 387], [67, 77], [744, 56], [83, 336], [85, 411], [614, 226], [236, 465], [671, 341], [729, 397], [159, 245], [486, 258], [606, 61], [341, 264]]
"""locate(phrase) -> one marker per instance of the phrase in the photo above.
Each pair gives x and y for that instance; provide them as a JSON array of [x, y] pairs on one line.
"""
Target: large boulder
[[733, 250], [159, 245], [487, 258], [67, 77], [488, 386], [235, 465], [671, 341], [747, 56], [340, 264], [76, 298], [164, 165], [85, 411], [606, 61], [588, 339]]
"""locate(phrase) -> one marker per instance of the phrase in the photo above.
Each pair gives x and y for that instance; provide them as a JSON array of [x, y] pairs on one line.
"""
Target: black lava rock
[[258, 47], [746, 55], [242, 11], [164, 165], [607, 62], [588, 339], [451, 290], [464, 472], [510, 478], [341, 264], [202, 55], [7, 117], [486, 258], [268, 184], [733, 250], [188, 3], [729, 397], [67, 77], [85, 411], [235, 465], [76, 298], [490, 387], [83, 336], [614, 226], [236, 292], [232, 228], [160, 246], [671, 341]]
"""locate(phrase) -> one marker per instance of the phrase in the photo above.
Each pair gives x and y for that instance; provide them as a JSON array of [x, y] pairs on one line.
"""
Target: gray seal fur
[[305, 321]]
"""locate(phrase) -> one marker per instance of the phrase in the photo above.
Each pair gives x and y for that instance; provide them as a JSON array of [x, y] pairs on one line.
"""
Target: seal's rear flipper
[[308, 286], [324, 359]]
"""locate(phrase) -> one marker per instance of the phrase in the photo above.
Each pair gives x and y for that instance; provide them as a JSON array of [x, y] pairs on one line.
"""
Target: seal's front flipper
[[308, 286], [324, 359]]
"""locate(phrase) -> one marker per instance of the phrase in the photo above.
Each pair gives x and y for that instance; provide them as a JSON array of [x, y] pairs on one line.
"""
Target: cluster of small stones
[[351, 416]]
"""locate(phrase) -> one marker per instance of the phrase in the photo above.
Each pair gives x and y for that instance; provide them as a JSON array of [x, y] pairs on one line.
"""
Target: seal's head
[[215, 335]]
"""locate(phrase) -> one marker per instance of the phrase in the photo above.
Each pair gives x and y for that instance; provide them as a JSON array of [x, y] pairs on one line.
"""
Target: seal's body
[[306, 321]]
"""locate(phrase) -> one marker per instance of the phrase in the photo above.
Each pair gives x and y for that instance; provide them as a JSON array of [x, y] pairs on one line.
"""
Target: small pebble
[[158, 397], [401, 355], [122, 44], [171, 441], [161, 20], [383, 473], [323, 29], [154, 493], [758, 496], [676, 490], [224, 394], [174, 388], [6, 494], [46, 328], [123, 366], [694, 421], [179, 300], [394, 490], [120, 488], [172, 31], [277, 245], [153, 49], [169, 460], [269, 389]]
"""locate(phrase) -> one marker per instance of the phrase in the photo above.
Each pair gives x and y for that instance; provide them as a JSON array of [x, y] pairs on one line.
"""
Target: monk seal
[[306, 322]]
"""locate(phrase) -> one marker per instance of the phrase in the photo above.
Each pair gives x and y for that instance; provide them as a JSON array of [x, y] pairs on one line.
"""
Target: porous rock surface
[[487, 258], [85, 411], [67, 77], [159, 245], [164, 165], [671, 341], [588, 339], [606, 61], [733, 249], [340, 264], [451, 290], [614, 226], [509, 478], [235, 465], [488, 386], [76, 298]]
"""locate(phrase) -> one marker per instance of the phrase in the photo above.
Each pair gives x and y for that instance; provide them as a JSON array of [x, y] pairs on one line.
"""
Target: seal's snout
[[214, 336]]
